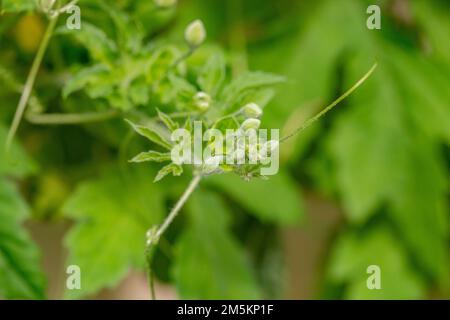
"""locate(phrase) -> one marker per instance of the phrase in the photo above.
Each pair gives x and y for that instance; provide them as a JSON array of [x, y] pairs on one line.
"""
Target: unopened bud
[[250, 124], [212, 164], [252, 110], [195, 34], [202, 101]]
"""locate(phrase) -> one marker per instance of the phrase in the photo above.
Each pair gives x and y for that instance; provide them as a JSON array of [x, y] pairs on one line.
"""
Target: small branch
[[63, 9], [29, 84], [332, 105], [70, 118], [152, 285], [153, 235], [174, 212], [183, 57]]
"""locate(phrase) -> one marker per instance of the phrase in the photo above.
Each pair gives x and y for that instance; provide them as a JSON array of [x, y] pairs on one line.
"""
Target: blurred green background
[[367, 185]]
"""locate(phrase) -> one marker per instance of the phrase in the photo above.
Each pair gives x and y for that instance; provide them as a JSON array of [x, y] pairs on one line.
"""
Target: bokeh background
[[366, 185]]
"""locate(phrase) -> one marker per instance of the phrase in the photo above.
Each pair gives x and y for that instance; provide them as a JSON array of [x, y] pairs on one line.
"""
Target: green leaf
[[276, 199], [17, 5], [174, 169], [181, 88], [167, 120], [383, 157], [151, 156], [432, 16], [100, 47], [212, 75], [17, 163], [150, 134], [209, 263], [85, 77], [353, 254], [160, 62], [246, 84], [112, 215], [20, 273]]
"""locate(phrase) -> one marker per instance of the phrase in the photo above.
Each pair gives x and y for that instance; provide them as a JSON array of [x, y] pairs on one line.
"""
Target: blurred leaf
[[355, 253], [433, 17], [17, 5], [20, 273], [209, 264], [383, 157], [246, 84], [86, 76], [212, 75], [112, 216], [16, 163], [276, 199], [100, 47]]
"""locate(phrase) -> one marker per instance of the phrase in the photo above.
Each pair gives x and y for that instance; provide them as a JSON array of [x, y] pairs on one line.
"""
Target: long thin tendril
[[332, 105]]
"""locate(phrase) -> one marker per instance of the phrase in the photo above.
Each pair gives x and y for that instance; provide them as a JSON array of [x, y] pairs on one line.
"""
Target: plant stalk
[[70, 118], [174, 212], [29, 84]]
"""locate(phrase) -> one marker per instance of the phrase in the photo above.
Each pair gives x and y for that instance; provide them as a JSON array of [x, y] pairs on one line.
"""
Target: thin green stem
[[151, 283], [63, 9], [183, 57], [332, 105], [29, 84], [180, 203], [156, 235], [71, 118], [150, 274]]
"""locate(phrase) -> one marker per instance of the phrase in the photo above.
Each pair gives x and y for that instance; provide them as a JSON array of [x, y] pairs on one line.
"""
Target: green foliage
[[113, 213], [384, 148], [354, 254], [225, 271], [258, 196], [17, 5], [382, 155], [20, 274], [16, 163]]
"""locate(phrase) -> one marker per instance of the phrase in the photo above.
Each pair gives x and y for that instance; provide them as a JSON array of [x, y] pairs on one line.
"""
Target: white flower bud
[[46, 5], [165, 3], [195, 34], [202, 101], [211, 164], [252, 110], [250, 124]]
